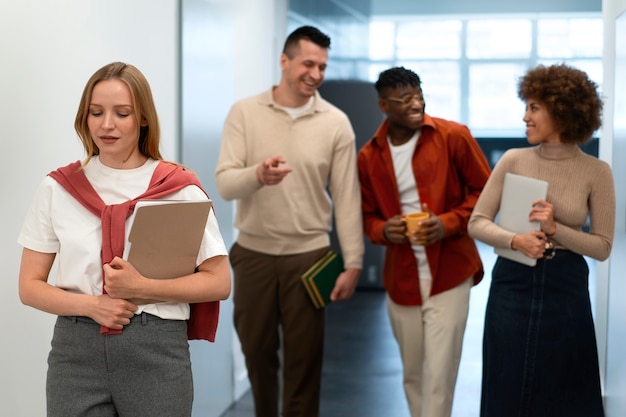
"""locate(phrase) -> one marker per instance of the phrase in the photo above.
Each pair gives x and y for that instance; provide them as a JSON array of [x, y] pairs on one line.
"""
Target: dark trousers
[[143, 372], [269, 294], [539, 354]]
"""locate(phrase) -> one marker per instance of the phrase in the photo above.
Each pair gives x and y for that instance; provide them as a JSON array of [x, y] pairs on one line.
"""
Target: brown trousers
[[270, 300]]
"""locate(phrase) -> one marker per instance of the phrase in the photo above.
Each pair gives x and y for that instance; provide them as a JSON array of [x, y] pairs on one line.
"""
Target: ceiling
[[365, 9]]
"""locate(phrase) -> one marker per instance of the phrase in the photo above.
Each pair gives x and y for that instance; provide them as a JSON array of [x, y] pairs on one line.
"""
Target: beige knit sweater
[[294, 216], [579, 186]]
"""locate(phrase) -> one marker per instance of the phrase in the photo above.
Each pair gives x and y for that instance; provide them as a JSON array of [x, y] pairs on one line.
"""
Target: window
[[382, 39], [499, 38], [441, 83], [428, 39], [470, 65], [493, 103], [569, 38]]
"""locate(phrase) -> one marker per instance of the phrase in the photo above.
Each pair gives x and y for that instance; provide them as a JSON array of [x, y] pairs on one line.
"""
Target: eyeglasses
[[406, 100]]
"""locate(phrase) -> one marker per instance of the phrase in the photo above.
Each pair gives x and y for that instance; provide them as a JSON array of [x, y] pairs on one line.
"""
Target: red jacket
[[167, 178], [450, 171]]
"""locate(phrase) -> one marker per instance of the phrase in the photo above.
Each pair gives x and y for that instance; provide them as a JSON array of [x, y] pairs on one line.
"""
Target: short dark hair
[[571, 98], [397, 77], [308, 33]]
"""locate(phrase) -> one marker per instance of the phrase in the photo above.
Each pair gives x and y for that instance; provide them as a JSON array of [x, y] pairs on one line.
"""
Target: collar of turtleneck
[[557, 151]]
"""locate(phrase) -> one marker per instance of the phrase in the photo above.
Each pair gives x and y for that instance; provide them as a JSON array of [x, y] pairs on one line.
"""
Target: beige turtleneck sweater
[[579, 185]]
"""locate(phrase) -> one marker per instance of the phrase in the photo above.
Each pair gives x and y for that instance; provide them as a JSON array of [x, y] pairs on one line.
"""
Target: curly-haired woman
[[539, 354]]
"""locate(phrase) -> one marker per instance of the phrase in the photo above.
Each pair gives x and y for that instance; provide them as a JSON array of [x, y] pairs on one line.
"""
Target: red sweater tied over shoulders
[[166, 179]]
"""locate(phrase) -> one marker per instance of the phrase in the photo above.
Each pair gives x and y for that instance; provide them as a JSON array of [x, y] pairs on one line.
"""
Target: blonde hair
[[148, 130]]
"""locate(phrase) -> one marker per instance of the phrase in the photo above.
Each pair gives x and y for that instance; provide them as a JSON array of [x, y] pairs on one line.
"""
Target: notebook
[[319, 280], [165, 236], [518, 194]]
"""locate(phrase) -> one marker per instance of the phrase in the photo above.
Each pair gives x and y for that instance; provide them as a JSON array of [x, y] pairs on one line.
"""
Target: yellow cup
[[412, 221]]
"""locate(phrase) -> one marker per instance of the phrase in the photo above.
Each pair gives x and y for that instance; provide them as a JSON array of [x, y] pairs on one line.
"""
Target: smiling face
[[404, 107], [303, 73], [113, 126], [539, 125]]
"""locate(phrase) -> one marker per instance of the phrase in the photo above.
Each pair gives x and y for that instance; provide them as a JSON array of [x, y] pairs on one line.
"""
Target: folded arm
[[211, 282], [36, 292]]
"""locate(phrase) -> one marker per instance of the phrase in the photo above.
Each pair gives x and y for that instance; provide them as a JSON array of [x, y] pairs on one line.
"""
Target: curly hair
[[397, 77], [308, 33], [571, 98]]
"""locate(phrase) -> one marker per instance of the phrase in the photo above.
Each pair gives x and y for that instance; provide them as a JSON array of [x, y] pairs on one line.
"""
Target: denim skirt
[[539, 349]]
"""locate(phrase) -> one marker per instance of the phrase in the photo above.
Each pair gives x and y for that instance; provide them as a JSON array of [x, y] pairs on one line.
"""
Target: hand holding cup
[[413, 226]]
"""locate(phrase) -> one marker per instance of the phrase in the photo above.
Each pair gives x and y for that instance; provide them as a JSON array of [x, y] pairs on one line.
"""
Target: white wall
[[48, 53], [613, 149], [228, 52]]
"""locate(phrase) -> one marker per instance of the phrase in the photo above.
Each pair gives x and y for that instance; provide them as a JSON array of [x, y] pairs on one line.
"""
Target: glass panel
[[441, 84], [619, 115], [593, 67], [499, 38], [429, 39], [382, 35], [339, 69], [361, 70], [374, 71], [469, 65], [569, 38], [493, 101]]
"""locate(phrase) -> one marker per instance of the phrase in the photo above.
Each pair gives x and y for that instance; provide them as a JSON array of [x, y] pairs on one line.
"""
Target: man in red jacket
[[414, 163]]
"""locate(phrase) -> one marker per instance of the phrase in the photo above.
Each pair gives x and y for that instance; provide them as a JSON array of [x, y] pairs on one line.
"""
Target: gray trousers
[[145, 371]]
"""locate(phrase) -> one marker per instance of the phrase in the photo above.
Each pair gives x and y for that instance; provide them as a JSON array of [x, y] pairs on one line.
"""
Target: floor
[[362, 374]]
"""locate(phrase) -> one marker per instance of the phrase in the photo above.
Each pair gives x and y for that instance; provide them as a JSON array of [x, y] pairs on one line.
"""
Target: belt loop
[[144, 318], [74, 319]]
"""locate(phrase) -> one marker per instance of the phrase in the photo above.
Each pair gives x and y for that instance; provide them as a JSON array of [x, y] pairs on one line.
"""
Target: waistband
[[552, 251], [141, 318]]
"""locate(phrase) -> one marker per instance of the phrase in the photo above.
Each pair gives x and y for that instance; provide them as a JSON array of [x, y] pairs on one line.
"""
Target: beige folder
[[518, 194], [165, 237]]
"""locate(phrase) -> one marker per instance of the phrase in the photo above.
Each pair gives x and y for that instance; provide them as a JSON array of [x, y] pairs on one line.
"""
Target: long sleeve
[[235, 174], [473, 170], [601, 202], [450, 170], [482, 225], [346, 197], [579, 186], [294, 215]]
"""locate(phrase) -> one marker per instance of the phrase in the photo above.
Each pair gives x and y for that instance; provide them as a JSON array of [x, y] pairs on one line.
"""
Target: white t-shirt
[[402, 155], [295, 112], [58, 223]]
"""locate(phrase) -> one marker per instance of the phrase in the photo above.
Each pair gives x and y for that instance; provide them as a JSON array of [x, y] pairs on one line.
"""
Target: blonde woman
[[111, 356]]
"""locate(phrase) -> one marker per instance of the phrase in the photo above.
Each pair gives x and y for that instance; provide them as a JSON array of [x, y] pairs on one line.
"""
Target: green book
[[319, 280]]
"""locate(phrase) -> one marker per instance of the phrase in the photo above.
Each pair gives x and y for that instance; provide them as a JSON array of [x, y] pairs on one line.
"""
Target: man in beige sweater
[[288, 157]]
